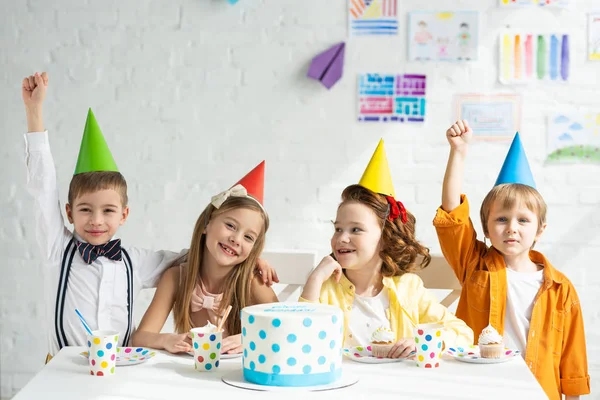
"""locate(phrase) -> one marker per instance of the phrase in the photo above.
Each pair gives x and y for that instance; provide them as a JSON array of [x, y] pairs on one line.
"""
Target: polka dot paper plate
[[363, 354], [130, 355], [471, 354]]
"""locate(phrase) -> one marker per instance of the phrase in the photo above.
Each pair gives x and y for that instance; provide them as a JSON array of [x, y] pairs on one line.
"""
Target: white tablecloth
[[168, 376]]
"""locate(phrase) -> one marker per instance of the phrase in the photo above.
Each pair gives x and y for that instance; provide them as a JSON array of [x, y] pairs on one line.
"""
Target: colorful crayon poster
[[536, 3], [594, 36], [443, 36], [490, 116], [529, 57], [574, 138], [373, 17], [391, 98]]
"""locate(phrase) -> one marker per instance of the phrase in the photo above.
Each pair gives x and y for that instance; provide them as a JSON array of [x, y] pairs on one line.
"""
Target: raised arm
[[458, 135], [148, 333], [41, 174], [33, 91]]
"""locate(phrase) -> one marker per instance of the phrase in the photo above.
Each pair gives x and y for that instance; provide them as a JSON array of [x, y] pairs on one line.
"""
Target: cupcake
[[382, 341], [490, 343]]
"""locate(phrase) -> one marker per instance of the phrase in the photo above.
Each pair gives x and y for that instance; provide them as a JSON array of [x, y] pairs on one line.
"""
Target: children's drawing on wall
[[391, 98], [540, 3], [574, 138], [594, 36], [529, 57], [373, 17], [491, 117], [443, 36]]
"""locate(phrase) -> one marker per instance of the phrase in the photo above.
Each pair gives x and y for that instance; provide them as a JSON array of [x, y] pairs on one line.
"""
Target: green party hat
[[94, 154]]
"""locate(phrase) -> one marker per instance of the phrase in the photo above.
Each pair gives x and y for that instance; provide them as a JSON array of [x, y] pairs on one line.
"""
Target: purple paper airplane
[[328, 66]]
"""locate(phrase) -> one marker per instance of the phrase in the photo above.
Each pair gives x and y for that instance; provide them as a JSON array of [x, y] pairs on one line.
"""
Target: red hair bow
[[397, 209]]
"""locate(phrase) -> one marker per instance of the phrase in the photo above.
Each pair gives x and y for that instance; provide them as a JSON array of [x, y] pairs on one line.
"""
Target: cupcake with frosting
[[490, 343], [382, 341]]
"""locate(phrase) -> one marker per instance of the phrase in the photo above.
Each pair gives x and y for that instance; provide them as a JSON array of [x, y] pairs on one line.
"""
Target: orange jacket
[[556, 350]]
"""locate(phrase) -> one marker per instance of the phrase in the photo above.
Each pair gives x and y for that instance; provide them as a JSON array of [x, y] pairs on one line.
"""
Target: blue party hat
[[516, 168]]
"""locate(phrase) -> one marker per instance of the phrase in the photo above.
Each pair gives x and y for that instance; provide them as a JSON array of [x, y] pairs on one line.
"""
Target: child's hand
[[178, 343], [268, 273], [403, 348], [34, 90], [232, 344], [459, 135], [327, 267]]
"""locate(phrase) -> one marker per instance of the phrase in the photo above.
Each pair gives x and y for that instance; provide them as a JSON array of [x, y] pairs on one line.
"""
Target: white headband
[[236, 191]]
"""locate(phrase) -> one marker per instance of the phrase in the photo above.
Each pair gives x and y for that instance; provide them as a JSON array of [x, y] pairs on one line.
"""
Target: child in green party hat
[[87, 269]]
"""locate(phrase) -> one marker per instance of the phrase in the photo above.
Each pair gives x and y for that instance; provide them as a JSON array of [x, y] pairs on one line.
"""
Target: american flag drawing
[[373, 17]]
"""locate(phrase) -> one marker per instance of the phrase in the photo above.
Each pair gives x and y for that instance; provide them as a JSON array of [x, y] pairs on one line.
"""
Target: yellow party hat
[[377, 176]]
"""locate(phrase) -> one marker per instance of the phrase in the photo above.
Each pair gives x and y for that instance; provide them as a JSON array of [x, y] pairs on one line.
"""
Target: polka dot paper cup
[[102, 349], [207, 349], [429, 340]]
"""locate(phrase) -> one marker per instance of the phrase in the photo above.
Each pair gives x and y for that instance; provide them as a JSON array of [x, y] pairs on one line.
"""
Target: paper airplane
[[232, 1], [328, 66]]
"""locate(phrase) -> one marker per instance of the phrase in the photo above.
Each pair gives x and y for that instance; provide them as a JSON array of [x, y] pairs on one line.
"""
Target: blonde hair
[[400, 249], [236, 287], [507, 196], [90, 182]]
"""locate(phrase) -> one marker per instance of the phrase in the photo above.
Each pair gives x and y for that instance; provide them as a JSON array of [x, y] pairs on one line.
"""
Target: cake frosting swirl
[[489, 335], [383, 335]]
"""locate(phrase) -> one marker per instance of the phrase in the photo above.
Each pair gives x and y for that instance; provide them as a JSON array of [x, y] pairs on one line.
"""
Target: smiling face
[[355, 242], [96, 216], [231, 235]]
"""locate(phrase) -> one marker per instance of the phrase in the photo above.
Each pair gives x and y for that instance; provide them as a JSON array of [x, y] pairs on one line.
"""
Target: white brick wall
[[192, 94]]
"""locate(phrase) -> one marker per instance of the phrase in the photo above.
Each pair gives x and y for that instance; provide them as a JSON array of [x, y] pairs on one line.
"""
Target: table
[[168, 376]]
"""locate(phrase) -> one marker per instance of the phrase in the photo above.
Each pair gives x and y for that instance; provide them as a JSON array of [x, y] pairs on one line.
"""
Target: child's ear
[[540, 231], [124, 215], [69, 212]]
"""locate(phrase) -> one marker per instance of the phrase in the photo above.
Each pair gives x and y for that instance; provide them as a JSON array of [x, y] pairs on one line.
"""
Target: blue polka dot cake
[[292, 344]]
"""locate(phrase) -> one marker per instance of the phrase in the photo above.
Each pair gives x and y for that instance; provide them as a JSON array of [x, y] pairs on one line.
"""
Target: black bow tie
[[90, 252]]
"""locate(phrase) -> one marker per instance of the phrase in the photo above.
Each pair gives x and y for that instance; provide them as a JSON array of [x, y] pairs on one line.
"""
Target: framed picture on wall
[[443, 36], [527, 57], [536, 3], [391, 97], [490, 116], [574, 138], [373, 17]]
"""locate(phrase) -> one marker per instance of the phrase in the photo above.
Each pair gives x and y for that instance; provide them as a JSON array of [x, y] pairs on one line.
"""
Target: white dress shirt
[[98, 290]]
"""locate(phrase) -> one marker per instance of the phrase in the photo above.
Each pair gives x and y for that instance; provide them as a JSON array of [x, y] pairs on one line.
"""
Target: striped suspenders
[[62, 291]]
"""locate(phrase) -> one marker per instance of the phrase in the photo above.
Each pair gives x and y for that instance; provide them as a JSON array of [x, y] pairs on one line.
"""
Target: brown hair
[[90, 182], [236, 287], [508, 195], [399, 247]]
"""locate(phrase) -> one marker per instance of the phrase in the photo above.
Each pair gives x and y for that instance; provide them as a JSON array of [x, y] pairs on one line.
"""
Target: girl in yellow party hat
[[368, 275]]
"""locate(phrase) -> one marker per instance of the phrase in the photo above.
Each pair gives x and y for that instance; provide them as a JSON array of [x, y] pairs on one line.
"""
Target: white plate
[[236, 378], [363, 354], [470, 354], [130, 355], [226, 356]]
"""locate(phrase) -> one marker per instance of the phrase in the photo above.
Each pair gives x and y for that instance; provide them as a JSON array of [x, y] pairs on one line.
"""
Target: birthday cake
[[292, 344]]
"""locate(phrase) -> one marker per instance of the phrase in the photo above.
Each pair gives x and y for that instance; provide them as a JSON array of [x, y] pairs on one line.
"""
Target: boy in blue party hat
[[87, 269], [511, 293]]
